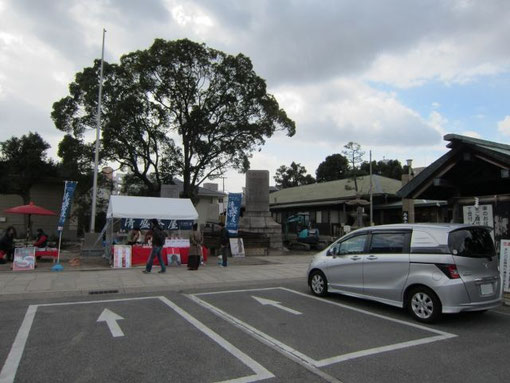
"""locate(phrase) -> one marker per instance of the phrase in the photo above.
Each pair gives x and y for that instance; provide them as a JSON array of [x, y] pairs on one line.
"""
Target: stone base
[[256, 251], [263, 223], [91, 246]]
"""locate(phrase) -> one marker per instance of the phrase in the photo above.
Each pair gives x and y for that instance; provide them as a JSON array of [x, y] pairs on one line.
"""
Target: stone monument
[[257, 217]]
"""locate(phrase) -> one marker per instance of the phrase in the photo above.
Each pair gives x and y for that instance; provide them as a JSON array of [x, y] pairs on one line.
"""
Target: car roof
[[410, 226]]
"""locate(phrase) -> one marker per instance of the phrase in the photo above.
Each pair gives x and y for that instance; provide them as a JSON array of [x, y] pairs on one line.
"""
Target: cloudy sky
[[394, 76]]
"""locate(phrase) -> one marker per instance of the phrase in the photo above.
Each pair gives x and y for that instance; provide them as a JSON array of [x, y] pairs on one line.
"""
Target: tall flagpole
[[371, 194], [98, 129]]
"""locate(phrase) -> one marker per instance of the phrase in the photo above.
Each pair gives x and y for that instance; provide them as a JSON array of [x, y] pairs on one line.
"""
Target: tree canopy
[[354, 155], [387, 168], [177, 108], [334, 167], [295, 175], [23, 163]]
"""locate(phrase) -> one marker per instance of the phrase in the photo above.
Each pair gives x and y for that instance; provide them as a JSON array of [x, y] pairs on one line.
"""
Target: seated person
[[148, 238], [41, 239], [134, 237], [7, 245]]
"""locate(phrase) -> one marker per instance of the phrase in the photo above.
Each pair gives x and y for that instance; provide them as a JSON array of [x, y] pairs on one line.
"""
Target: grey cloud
[[54, 23], [309, 40], [408, 132], [17, 117]]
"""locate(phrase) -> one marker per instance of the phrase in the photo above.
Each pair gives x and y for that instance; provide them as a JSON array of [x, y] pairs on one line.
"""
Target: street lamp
[[409, 166]]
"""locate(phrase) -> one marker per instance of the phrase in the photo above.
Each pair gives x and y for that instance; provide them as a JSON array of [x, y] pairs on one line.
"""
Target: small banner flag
[[69, 188], [233, 212]]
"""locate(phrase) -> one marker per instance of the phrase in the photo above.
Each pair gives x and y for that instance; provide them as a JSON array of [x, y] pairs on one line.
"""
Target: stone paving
[[94, 276]]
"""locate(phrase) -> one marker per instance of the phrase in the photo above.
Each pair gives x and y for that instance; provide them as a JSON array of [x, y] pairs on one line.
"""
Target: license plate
[[486, 288]]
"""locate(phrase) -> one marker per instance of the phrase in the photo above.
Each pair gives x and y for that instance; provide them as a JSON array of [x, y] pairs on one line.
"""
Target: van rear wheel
[[424, 305]]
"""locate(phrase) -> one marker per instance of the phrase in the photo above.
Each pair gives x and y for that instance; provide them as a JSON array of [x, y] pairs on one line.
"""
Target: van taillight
[[449, 270]]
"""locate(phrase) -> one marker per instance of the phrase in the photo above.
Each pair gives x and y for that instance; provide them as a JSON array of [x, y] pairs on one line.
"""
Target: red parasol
[[29, 209]]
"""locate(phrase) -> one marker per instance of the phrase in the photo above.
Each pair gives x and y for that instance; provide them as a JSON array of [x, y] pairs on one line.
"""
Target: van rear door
[[475, 257]]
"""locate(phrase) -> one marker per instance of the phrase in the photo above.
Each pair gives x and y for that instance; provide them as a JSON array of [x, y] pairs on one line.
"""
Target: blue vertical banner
[[233, 212], [67, 200]]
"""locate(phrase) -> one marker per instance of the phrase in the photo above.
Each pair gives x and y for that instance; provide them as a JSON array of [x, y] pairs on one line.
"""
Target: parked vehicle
[[428, 269]]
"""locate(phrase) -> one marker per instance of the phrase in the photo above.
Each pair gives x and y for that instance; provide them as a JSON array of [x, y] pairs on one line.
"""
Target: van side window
[[387, 243], [353, 245]]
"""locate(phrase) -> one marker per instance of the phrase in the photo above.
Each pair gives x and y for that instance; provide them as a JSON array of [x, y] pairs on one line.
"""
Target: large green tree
[[387, 168], [23, 163], [177, 108], [334, 167], [294, 175]]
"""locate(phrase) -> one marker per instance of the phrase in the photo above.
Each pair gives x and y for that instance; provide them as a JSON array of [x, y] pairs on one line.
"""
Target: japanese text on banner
[[504, 264], [233, 212], [69, 188]]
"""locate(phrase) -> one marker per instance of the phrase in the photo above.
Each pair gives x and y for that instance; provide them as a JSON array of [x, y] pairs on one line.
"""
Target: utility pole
[[98, 129]]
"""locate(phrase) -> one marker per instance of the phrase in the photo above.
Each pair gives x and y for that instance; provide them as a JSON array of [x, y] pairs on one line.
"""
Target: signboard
[[176, 242], [504, 264], [479, 215], [145, 224], [237, 247], [233, 212], [121, 256], [24, 258]]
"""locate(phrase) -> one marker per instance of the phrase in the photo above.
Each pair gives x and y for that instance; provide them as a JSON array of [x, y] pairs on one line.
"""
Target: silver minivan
[[428, 269]]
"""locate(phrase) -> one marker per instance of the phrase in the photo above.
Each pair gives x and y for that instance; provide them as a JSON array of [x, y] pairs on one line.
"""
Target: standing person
[[7, 243], [41, 239], [195, 249], [158, 240], [224, 244], [134, 236]]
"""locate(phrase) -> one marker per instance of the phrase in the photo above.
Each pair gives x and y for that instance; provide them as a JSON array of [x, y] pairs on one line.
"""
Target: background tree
[[354, 155], [386, 168], [214, 105], [295, 175], [334, 167], [23, 163]]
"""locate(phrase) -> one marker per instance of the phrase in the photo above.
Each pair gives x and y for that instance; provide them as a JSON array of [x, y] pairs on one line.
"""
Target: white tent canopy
[[151, 207]]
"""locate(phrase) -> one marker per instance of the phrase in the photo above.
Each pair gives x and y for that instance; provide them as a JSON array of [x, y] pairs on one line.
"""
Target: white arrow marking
[[111, 320], [276, 304]]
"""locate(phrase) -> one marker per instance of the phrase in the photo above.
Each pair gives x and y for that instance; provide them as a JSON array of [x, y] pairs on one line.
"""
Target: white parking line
[[11, 364], [307, 361]]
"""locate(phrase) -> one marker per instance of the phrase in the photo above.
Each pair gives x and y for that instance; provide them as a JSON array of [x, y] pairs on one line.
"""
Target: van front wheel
[[318, 283], [424, 305]]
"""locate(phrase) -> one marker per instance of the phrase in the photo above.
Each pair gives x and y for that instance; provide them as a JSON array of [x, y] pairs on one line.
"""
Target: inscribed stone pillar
[[257, 217]]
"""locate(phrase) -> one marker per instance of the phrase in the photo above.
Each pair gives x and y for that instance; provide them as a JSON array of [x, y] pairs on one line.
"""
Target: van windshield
[[474, 242]]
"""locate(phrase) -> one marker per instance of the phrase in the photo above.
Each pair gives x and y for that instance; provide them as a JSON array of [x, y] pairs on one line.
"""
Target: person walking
[[158, 240], [195, 250], [224, 242]]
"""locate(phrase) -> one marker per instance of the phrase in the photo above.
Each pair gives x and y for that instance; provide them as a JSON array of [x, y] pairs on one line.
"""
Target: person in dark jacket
[[158, 240], [41, 240], [7, 243], [224, 241]]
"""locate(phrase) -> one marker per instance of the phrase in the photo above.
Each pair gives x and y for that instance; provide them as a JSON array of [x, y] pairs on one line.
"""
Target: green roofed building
[[333, 205]]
